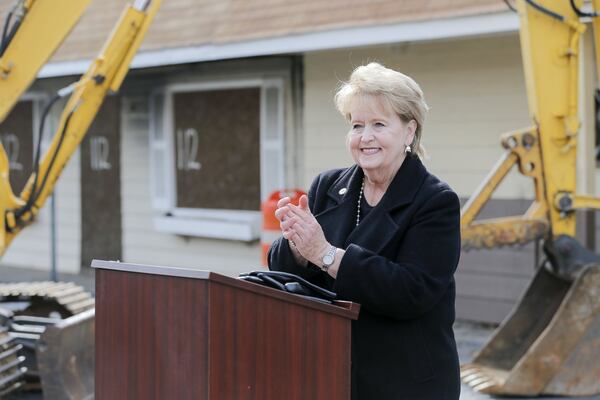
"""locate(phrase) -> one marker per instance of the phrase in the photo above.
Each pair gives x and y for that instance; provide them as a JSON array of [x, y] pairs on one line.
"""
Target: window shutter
[[160, 166], [272, 129]]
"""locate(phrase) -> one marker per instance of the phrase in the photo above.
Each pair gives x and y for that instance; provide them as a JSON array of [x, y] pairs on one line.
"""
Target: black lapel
[[381, 224], [339, 217]]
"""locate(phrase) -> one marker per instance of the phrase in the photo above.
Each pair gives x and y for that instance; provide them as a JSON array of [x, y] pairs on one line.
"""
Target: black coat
[[399, 265]]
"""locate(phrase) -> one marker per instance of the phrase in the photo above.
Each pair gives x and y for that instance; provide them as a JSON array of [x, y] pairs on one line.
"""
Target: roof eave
[[417, 31]]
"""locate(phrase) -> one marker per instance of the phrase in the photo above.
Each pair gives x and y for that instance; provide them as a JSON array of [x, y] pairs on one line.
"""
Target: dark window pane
[[16, 133], [217, 149]]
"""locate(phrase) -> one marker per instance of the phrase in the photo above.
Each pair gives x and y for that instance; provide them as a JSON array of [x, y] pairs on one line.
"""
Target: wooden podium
[[173, 333]]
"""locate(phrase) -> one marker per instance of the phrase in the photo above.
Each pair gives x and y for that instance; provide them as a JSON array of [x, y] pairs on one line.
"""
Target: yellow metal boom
[[106, 73], [38, 28], [548, 344], [550, 36]]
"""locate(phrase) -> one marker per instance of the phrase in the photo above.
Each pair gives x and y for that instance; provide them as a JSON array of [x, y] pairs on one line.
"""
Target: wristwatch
[[328, 258]]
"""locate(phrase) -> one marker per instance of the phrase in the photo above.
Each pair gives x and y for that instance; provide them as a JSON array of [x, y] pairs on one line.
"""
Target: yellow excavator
[[59, 350], [550, 343]]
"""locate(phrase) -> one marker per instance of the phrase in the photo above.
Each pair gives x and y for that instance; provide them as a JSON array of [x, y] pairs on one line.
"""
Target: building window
[[217, 152]]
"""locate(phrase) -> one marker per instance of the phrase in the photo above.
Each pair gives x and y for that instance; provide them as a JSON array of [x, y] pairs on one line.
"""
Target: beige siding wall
[[475, 89]]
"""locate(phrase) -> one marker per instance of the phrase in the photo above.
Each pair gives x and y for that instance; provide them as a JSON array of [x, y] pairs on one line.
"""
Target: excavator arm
[[550, 34], [549, 343], [33, 30], [106, 73]]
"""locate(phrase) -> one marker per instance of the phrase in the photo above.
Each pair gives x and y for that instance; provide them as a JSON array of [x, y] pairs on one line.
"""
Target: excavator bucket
[[550, 344], [65, 358]]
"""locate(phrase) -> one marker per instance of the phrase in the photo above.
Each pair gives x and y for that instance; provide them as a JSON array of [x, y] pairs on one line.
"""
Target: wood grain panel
[[162, 337], [275, 349], [151, 337]]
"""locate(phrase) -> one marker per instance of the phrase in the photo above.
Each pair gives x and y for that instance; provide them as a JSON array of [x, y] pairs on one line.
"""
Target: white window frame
[[241, 225]]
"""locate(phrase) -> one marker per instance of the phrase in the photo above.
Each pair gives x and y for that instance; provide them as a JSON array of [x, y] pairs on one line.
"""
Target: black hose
[[582, 13], [60, 142], [38, 146], [11, 35], [4, 42], [18, 12], [510, 6], [546, 11], [34, 195]]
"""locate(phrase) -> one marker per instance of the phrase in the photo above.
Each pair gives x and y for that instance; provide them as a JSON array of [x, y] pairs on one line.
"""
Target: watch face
[[328, 259]]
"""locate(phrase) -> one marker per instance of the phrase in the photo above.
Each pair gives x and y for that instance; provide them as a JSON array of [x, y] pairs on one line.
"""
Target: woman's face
[[378, 137]]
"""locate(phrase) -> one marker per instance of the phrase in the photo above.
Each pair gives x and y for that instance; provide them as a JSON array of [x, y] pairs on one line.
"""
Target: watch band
[[328, 259]]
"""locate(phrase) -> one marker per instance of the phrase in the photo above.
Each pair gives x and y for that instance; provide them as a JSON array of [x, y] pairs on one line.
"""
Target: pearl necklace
[[360, 195]]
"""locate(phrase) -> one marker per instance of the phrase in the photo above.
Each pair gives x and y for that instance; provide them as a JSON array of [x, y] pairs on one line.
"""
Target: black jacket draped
[[399, 265]]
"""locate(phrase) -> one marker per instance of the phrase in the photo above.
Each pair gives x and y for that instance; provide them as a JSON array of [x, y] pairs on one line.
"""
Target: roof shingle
[[181, 23]]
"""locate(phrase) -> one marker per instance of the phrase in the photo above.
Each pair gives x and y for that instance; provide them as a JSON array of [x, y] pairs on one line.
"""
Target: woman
[[384, 233]]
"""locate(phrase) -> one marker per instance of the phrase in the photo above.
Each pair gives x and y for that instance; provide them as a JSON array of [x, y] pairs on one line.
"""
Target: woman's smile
[[370, 150]]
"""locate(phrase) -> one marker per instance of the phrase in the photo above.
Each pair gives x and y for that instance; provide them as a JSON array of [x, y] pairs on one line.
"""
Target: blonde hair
[[400, 91]]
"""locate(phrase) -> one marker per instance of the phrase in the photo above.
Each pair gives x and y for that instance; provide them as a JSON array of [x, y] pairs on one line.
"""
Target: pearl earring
[[407, 149]]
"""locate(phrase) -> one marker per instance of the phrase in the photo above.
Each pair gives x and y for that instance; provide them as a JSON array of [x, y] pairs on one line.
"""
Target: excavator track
[[66, 298], [30, 309], [12, 369]]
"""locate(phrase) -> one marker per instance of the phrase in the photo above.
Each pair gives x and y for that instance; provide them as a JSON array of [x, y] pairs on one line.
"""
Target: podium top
[[152, 269], [342, 308]]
